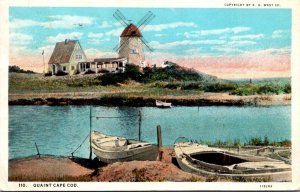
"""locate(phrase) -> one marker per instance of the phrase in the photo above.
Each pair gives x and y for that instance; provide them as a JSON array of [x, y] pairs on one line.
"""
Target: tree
[[133, 71]]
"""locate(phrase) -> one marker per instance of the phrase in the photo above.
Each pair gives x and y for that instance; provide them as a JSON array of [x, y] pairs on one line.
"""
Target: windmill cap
[[131, 31]]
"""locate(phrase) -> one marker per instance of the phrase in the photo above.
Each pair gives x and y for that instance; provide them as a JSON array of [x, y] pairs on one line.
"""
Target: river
[[59, 130]]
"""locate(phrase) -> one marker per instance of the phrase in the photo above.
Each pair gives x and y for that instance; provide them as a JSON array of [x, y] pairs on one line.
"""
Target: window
[[78, 57], [134, 51], [64, 68], [72, 68]]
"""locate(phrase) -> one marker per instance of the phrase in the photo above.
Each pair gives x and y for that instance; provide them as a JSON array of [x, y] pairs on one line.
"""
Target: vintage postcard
[[120, 95]]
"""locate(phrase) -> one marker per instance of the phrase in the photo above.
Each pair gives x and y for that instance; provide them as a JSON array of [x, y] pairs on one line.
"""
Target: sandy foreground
[[52, 168]]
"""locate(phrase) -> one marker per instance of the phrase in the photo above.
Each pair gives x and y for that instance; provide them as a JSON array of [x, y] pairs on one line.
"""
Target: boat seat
[[111, 142], [133, 146]]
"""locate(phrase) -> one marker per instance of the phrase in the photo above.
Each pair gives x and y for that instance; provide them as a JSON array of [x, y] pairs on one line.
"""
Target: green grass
[[254, 141], [36, 83]]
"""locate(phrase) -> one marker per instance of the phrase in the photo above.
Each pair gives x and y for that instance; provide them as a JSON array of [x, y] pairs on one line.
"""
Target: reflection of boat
[[162, 104], [204, 160], [111, 149]]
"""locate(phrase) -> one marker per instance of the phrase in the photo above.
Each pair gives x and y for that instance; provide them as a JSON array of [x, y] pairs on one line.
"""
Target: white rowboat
[[162, 104], [208, 161], [110, 149]]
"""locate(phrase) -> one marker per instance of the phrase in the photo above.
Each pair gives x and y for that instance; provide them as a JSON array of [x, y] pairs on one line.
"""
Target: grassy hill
[[173, 79]]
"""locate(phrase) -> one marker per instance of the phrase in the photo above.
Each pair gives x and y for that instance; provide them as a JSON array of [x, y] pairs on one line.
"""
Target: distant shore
[[109, 99]]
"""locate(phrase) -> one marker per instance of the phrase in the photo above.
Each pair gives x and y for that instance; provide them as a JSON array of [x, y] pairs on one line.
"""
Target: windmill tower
[[131, 39]]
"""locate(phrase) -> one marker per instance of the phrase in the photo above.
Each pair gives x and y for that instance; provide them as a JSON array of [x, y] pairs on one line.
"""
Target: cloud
[[161, 27], [234, 30], [21, 23], [158, 45], [67, 21], [62, 36], [251, 36], [240, 43], [227, 49], [97, 53], [95, 35], [272, 51], [56, 21], [279, 34], [105, 24], [117, 32], [194, 51], [114, 32], [47, 50], [94, 41], [19, 39], [160, 35]]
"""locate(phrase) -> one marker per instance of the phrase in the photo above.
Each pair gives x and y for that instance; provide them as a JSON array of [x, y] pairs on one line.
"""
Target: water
[[59, 130]]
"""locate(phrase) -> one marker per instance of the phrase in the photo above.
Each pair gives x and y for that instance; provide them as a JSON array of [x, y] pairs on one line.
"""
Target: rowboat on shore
[[162, 104], [110, 149], [208, 161]]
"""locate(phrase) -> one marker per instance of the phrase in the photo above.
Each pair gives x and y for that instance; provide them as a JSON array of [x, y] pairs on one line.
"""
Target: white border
[[293, 4]]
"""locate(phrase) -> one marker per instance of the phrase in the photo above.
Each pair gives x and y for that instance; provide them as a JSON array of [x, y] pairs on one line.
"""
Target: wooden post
[[90, 133], [159, 142], [140, 123], [37, 150], [44, 62]]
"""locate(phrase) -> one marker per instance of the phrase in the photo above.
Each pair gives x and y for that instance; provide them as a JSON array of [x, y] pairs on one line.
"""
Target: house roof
[[63, 51], [110, 59], [131, 31]]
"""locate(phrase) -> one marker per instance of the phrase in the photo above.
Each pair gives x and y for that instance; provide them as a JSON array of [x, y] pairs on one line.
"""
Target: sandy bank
[[94, 98], [50, 168]]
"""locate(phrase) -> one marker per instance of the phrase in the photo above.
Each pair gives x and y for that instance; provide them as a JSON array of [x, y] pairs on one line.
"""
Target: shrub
[[103, 71], [61, 73], [89, 72], [133, 72], [48, 74], [172, 85], [191, 86], [287, 88], [112, 79], [17, 69]]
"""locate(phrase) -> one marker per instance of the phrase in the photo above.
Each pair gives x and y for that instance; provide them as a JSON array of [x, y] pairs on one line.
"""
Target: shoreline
[[94, 98], [60, 168], [66, 168]]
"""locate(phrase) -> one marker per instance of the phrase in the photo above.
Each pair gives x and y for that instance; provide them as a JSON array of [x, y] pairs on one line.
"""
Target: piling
[[140, 124], [38, 152], [159, 142], [90, 158]]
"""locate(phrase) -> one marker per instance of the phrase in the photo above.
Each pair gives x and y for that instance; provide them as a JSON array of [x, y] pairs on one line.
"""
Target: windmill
[[131, 39]]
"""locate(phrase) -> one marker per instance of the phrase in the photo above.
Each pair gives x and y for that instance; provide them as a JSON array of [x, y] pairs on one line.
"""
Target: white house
[[66, 56]]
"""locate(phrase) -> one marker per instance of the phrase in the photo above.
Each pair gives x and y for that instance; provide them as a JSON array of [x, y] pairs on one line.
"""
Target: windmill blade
[[145, 42], [117, 47], [145, 20], [121, 18]]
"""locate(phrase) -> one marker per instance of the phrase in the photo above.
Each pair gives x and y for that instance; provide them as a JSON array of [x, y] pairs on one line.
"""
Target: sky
[[227, 43]]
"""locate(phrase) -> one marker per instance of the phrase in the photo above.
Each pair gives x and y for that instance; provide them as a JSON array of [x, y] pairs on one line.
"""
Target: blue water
[[59, 130]]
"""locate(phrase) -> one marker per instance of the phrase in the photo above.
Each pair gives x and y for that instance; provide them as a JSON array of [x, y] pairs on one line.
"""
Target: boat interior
[[217, 158]]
